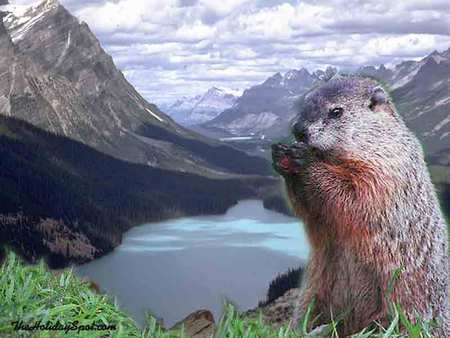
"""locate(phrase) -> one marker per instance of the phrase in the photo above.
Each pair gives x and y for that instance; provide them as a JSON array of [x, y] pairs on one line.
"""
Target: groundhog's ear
[[378, 98], [380, 102]]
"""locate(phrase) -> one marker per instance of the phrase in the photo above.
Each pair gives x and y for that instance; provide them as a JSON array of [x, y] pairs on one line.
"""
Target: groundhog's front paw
[[288, 159]]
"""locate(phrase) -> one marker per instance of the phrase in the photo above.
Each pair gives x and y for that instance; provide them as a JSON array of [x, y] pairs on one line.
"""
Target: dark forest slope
[[62, 198]]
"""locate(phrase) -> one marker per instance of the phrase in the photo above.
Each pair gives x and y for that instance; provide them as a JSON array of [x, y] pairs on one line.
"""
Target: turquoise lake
[[175, 267]]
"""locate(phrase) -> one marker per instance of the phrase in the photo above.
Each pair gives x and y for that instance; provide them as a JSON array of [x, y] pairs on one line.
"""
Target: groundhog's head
[[348, 113]]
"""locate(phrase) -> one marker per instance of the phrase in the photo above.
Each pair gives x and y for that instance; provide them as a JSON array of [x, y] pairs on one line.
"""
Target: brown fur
[[335, 230]]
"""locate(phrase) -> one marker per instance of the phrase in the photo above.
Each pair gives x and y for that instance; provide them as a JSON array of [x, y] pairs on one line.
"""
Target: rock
[[198, 324], [278, 312]]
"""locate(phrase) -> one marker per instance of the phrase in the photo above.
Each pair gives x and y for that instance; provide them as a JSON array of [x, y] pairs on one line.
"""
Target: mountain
[[201, 108], [267, 108], [55, 75], [423, 98], [71, 203], [421, 92], [381, 73]]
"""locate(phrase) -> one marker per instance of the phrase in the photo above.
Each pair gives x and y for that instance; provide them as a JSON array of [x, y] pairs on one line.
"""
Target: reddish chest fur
[[346, 200], [343, 203]]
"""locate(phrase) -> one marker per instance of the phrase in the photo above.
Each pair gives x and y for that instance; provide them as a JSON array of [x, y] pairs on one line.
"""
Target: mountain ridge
[[420, 89], [266, 108], [60, 79]]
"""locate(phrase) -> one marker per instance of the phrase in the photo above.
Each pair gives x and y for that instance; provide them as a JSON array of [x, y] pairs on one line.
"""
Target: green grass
[[33, 293]]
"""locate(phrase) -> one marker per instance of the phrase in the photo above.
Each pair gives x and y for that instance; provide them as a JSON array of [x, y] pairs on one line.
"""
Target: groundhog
[[357, 178]]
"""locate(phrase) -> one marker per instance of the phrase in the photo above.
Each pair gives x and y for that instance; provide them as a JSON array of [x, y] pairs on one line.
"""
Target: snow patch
[[237, 138], [438, 58], [404, 80], [255, 123], [64, 52], [21, 18], [231, 91], [17, 10], [442, 102], [5, 106], [155, 116], [290, 75], [441, 124]]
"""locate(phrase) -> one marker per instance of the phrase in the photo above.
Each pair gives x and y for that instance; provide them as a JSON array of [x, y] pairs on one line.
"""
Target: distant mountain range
[[424, 100], [266, 109], [201, 108], [420, 89]]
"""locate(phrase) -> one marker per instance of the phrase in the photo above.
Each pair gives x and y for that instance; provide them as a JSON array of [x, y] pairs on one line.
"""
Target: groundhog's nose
[[300, 133]]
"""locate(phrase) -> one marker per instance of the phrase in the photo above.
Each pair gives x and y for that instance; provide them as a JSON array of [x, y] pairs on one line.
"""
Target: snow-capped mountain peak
[[221, 91], [437, 57], [203, 107], [292, 80], [290, 75]]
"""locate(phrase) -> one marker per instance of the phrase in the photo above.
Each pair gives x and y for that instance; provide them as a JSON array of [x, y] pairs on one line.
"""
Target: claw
[[288, 159]]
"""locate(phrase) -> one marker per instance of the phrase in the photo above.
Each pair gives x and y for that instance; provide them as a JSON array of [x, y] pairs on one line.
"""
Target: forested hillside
[[62, 198]]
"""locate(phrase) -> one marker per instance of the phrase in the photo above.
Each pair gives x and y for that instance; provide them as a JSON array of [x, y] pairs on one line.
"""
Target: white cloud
[[222, 7], [127, 15], [181, 47]]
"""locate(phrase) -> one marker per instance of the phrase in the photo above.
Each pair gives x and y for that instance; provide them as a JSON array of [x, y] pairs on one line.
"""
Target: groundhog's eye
[[336, 112]]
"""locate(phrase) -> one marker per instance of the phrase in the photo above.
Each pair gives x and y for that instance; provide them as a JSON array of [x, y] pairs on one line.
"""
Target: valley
[[84, 156]]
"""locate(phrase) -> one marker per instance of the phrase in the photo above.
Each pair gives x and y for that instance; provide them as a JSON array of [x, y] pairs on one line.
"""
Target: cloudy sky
[[171, 48]]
